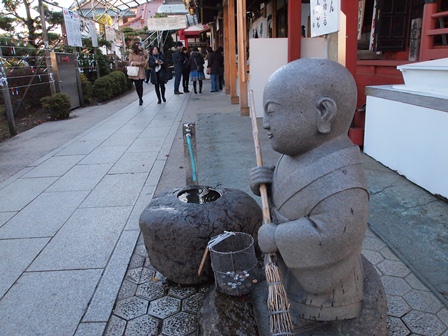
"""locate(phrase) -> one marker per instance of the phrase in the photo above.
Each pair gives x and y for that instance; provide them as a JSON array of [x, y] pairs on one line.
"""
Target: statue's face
[[292, 130]]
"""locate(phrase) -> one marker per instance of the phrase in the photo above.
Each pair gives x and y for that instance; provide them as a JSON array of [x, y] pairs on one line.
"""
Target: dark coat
[[196, 59], [155, 76], [178, 59], [214, 63], [186, 63]]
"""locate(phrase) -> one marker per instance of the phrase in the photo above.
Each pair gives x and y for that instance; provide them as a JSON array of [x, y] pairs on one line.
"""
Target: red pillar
[[294, 29], [182, 37], [350, 9]]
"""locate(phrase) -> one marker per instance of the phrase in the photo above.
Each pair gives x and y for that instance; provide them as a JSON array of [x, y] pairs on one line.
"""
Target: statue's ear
[[327, 109]]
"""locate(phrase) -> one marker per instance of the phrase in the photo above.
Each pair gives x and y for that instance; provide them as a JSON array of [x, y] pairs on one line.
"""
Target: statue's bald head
[[307, 81]]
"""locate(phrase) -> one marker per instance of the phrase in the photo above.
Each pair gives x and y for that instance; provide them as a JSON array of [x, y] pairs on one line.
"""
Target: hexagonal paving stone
[[372, 244], [415, 283], [396, 327], [141, 250], [373, 256], [396, 306], [164, 307], [131, 308], [388, 254], [136, 261], [127, 289], [394, 268], [443, 316], [395, 286], [180, 324], [424, 323], [151, 290], [143, 325], [115, 327], [140, 275], [182, 292], [423, 301], [193, 304]]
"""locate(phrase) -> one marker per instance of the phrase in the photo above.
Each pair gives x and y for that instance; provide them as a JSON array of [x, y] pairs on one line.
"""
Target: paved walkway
[[72, 261]]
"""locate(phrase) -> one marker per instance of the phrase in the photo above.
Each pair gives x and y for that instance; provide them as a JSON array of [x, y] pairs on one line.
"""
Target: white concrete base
[[409, 139]]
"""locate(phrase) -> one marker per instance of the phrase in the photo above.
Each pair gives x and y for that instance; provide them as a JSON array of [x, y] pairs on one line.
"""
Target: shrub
[[111, 85], [86, 89], [102, 88], [58, 105]]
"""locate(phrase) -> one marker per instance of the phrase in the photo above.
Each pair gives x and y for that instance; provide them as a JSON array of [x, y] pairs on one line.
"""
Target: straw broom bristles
[[278, 305]]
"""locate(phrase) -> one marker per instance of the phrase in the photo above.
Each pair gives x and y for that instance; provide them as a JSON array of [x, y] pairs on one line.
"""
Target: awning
[[196, 30]]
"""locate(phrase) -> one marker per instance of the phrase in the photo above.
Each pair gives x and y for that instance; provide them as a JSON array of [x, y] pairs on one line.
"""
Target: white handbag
[[132, 70]]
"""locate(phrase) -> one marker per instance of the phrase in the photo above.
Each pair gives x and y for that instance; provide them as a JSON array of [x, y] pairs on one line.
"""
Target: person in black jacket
[[185, 70], [196, 69], [157, 62], [219, 54], [213, 69], [178, 58]]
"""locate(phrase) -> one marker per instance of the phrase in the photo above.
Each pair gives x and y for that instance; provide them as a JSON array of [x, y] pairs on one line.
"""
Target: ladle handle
[[204, 257]]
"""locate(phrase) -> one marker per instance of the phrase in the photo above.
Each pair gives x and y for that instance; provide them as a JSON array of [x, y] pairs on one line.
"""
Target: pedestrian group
[[188, 67]]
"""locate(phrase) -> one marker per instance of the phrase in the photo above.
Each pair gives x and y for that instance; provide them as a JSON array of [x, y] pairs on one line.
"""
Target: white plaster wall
[[269, 54], [266, 56], [409, 139]]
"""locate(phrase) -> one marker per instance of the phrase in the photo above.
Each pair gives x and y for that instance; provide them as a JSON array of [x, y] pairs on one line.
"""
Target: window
[[392, 25]]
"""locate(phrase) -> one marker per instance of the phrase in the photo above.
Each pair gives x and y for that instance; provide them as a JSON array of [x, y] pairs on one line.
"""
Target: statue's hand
[[266, 238], [260, 175]]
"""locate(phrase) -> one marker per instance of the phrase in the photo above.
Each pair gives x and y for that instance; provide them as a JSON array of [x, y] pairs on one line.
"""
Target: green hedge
[[87, 89], [58, 105], [110, 86]]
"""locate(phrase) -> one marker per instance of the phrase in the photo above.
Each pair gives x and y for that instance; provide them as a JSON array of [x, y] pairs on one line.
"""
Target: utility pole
[[7, 97], [47, 48]]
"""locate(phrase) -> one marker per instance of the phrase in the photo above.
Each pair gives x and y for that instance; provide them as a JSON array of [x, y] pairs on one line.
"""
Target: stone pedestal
[[177, 226], [225, 315], [371, 320]]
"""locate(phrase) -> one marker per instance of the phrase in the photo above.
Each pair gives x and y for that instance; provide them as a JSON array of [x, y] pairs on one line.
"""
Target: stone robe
[[321, 208]]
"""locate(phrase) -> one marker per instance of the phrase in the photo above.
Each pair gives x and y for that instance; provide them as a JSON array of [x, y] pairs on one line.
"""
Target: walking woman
[[137, 58], [156, 63], [196, 69]]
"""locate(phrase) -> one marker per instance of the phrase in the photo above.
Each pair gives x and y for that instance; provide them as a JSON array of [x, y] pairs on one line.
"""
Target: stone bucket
[[178, 225]]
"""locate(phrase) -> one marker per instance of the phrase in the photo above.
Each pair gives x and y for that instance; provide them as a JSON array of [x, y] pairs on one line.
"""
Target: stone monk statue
[[318, 192]]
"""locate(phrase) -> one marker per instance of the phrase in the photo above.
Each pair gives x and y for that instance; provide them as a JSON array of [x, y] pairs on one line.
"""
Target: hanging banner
[[93, 34], [361, 10], [373, 25], [110, 33], [324, 17], [88, 30], [72, 28], [119, 38]]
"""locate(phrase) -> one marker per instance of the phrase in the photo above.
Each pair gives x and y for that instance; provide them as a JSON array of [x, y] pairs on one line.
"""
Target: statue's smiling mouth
[[270, 136]]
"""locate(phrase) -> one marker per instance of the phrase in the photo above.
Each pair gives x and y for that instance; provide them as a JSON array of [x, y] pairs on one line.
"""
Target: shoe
[[186, 91], [140, 102], [177, 92], [159, 102], [164, 100]]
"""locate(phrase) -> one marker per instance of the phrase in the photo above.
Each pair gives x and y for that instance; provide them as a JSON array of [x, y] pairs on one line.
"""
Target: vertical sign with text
[[72, 28], [324, 17]]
